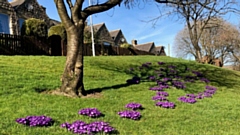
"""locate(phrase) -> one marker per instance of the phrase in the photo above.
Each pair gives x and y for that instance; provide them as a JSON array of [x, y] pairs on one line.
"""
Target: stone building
[[149, 47], [118, 37], [13, 14]]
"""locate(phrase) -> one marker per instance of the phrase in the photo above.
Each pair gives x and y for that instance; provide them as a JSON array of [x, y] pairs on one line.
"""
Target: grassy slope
[[22, 78]]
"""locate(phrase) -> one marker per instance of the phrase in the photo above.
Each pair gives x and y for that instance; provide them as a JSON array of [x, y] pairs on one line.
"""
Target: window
[[106, 43], [20, 22], [4, 24]]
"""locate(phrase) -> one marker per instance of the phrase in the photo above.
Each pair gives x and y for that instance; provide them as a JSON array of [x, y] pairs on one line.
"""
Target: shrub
[[58, 30], [34, 27], [125, 45]]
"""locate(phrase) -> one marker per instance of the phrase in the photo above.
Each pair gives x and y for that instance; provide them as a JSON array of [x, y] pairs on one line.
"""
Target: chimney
[[134, 42]]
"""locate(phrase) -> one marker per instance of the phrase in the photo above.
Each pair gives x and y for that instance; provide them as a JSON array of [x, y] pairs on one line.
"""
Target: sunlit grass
[[22, 78]]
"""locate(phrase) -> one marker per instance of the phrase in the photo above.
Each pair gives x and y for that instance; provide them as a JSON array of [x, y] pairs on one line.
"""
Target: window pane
[[20, 21], [4, 24]]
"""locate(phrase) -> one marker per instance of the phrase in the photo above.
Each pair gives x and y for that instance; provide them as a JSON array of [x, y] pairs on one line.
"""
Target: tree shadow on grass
[[88, 93], [217, 76], [98, 90]]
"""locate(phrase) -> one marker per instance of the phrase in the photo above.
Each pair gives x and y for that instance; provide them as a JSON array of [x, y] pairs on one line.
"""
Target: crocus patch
[[91, 112], [34, 121], [162, 93], [80, 127], [134, 115], [158, 97], [134, 106], [166, 104], [187, 99]]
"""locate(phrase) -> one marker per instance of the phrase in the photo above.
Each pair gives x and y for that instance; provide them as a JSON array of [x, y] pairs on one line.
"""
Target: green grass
[[22, 78]]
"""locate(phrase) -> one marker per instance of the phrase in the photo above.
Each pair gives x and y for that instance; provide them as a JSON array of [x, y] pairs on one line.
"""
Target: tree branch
[[62, 11], [99, 8], [76, 10], [70, 4]]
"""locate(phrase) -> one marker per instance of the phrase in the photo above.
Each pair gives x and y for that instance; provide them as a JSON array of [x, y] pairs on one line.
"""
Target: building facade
[[13, 14]]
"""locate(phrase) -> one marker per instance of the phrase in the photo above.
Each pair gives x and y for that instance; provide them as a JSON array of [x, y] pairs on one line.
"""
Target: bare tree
[[195, 11], [219, 39], [74, 22]]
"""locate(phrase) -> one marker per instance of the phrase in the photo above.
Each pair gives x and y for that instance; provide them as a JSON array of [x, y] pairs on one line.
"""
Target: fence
[[112, 50], [25, 45]]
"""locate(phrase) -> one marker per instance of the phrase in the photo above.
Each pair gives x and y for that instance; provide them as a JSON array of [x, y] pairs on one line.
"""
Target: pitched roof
[[96, 27], [158, 48], [17, 2], [114, 33], [144, 47]]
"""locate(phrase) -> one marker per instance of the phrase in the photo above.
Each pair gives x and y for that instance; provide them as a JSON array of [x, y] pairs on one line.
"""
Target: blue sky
[[133, 22]]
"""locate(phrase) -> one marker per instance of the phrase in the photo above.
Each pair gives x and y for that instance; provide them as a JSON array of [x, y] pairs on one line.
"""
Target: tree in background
[[74, 23], [218, 39], [126, 45], [34, 27], [196, 14], [57, 30]]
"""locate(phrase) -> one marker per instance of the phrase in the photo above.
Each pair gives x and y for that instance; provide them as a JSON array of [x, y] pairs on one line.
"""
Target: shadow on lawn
[[90, 91], [98, 90], [217, 76]]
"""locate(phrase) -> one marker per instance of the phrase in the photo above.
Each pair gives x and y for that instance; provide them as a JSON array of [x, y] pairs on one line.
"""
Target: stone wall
[[23, 9]]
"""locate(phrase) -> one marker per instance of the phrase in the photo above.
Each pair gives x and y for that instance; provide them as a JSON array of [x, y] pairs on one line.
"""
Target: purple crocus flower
[[133, 106], [160, 63], [162, 93], [166, 104], [158, 97], [205, 80]]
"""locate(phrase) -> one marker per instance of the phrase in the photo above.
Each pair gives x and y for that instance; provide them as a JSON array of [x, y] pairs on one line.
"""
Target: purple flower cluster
[[134, 106], [198, 74], [147, 64], [162, 93], [187, 99], [80, 127], [91, 112], [134, 80], [168, 76], [134, 115], [210, 90], [166, 104], [191, 98], [152, 78], [158, 97], [178, 84], [161, 75], [167, 79], [36, 121], [204, 80], [160, 63], [191, 79]]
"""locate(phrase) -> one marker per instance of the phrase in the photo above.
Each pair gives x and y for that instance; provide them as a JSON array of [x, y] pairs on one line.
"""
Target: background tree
[[34, 27], [126, 45], [57, 30], [196, 14], [217, 39], [74, 23]]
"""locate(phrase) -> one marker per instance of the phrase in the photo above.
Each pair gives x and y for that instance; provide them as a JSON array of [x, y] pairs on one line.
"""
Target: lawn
[[25, 79]]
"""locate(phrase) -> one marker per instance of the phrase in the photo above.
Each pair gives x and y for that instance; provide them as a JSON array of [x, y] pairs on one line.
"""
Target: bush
[[34, 27], [58, 30], [125, 45]]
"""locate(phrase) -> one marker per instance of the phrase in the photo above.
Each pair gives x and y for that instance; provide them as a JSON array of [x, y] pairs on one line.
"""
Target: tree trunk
[[72, 78]]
